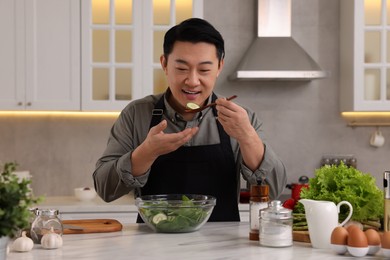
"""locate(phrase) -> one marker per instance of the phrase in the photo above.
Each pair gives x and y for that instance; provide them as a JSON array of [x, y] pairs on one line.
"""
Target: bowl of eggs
[[356, 242]]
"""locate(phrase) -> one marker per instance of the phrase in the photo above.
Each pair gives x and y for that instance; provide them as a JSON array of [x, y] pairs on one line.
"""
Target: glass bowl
[[175, 213]]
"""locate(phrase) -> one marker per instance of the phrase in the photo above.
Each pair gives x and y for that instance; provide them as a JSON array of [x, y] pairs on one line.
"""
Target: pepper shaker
[[258, 200]]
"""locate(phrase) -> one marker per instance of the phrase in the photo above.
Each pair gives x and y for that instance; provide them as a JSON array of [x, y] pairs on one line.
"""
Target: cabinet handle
[[20, 103], [28, 103]]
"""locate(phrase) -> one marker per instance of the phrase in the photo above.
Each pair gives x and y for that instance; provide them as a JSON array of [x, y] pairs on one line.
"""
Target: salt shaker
[[45, 220], [258, 200], [275, 225]]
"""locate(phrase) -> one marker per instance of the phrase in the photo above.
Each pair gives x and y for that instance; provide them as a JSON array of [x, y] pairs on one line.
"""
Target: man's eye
[[182, 69]]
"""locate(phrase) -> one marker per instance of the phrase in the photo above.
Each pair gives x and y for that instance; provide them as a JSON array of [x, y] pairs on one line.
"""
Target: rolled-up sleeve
[[271, 169], [112, 176]]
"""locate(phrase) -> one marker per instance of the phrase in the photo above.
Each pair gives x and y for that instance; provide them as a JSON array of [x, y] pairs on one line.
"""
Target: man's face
[[192, 70]]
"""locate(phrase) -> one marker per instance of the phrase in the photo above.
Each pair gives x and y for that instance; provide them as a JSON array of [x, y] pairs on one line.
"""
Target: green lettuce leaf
[[340, 182]]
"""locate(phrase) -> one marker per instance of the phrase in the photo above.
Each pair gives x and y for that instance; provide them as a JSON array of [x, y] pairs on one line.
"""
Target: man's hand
[[234, 119], [158, 143], [235, 122]]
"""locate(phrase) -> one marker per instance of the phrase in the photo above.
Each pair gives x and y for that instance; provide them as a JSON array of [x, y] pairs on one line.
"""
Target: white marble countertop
[[216, 240]]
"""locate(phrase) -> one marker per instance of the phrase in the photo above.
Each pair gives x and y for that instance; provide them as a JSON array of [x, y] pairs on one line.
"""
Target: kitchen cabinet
[[121, 48], [365, 55], [40, 55]]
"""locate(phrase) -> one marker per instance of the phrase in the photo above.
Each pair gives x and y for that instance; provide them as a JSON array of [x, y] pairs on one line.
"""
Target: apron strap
[[157, 112]]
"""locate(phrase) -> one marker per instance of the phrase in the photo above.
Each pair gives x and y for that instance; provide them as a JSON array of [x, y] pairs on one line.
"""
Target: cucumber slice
[[191, 105], [159, 217]]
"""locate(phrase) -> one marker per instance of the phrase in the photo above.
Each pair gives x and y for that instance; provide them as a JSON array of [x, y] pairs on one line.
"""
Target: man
[[156, 147]]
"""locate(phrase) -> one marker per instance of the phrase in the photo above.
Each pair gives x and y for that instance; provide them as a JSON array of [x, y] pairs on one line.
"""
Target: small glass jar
[[275, 225], [45, 220], [32, 216]]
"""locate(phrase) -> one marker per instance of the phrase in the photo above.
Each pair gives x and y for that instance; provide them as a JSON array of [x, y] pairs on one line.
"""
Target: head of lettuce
[[341, 182]]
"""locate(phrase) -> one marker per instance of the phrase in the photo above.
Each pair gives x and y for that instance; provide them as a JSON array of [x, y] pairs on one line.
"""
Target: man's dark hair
[[194, 30]]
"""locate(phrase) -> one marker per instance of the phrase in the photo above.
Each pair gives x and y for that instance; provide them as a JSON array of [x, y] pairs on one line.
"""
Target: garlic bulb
[[23, 243], [51, 240]]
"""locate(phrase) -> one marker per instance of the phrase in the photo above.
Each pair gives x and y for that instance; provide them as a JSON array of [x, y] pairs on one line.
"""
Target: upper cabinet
[[40, 55], [121, 47], [86, 54], [365, 55]]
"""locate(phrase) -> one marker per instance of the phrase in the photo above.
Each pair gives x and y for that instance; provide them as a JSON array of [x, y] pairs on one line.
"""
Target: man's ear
[[220, 67], [163, 62]]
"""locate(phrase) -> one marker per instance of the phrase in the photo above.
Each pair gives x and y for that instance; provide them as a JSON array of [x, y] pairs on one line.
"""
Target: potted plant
[[15, 201]]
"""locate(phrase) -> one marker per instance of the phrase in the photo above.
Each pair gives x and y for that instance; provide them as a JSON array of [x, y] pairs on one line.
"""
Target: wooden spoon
[[206, 106]]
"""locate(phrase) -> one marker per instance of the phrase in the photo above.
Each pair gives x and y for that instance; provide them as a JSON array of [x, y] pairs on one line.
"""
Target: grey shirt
[[113, 178]]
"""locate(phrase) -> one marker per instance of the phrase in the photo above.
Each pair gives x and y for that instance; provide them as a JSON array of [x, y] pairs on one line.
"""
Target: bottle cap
[[259, 192], [276, 211]]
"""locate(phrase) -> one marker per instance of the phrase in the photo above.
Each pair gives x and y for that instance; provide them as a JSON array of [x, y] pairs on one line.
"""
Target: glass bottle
[[275, 225], [45, 220], [386, 186], [258, 200]]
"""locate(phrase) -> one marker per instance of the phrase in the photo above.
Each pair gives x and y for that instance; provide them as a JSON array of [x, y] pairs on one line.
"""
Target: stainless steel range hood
[[274, 54]]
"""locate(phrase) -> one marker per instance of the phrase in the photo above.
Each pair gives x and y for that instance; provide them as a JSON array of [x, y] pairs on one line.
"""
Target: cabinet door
[[121, 45], [374, 93], [40, 55], [52, 55], [11, 53]]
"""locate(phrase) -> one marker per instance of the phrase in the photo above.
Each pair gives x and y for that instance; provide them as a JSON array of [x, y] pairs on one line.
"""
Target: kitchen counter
[[122, 209], [216, 240]]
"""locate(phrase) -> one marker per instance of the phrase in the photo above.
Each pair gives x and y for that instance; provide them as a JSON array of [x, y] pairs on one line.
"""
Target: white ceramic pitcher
[[322, 217]]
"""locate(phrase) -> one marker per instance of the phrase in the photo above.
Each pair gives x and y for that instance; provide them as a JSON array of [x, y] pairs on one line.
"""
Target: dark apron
[[207, 170]]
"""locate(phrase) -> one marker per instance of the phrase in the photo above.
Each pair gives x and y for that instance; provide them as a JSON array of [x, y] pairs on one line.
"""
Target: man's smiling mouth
[[191, 92]]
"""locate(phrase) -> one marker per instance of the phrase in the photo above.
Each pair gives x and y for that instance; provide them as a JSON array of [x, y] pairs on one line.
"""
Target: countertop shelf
[[125, 204], [70, 204]]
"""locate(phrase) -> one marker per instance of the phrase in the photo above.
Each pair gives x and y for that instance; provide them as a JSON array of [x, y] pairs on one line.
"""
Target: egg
[[357, 242], [338, 240], [339, 236], [373, 240], [353, 223], [352, 226], [386, 240], [357, 238]]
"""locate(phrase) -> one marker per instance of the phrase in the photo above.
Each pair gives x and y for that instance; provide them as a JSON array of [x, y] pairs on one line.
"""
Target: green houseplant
[[15, 201]]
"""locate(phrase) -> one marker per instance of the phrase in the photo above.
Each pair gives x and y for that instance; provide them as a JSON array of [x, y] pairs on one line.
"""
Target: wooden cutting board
[[301, 236], [92, 226]]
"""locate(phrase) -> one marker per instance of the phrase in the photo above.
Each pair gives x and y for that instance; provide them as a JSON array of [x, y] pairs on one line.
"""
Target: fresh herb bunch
[[15, 200], [340, 182]]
